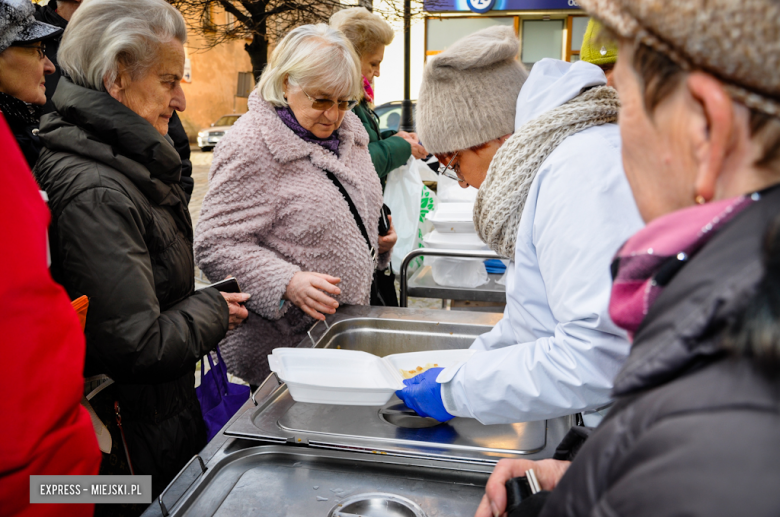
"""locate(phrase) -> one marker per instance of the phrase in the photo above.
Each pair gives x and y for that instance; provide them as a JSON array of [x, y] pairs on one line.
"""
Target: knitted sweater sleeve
[[237, 214]]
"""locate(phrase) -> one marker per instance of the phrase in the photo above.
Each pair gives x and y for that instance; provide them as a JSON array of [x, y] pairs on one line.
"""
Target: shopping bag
[[402, 196], [219, 399]]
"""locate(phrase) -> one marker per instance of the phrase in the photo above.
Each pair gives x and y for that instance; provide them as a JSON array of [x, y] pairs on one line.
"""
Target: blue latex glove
[[423, 394]]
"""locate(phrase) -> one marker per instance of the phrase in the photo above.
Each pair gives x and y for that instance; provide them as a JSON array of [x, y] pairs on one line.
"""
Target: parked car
[[389, 115], [208, 138]]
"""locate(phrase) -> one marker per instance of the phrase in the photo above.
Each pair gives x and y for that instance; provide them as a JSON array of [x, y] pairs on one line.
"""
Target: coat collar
[[285, 146], [684, 324], [92, 124]]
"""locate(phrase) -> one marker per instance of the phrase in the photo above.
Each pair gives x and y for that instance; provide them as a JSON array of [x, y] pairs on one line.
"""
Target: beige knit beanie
[[469, 92], [737, 41]]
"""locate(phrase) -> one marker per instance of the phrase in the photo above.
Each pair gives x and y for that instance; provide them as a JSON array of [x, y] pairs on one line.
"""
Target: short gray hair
[[106, 33], [312, 56]]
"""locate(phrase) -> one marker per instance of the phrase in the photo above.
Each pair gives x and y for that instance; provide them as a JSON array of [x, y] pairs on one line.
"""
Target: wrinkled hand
[[305, 290], [387, 242], [418, 151], [423, 394], [238, 312], [548, 472]]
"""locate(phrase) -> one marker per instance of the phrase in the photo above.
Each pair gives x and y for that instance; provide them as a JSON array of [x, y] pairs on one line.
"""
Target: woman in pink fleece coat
[[273, 218]]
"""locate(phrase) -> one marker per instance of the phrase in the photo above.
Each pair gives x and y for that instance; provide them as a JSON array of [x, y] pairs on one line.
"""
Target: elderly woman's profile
[[277, 214], [121, 232]]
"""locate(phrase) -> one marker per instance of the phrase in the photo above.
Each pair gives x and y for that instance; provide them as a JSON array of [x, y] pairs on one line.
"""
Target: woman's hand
[[548, 472], [418, 151], [387, 242], [305, 290], [238, 312]]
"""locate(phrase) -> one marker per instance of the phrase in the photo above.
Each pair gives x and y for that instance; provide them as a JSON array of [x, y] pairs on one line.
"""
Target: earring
[[700, 199]]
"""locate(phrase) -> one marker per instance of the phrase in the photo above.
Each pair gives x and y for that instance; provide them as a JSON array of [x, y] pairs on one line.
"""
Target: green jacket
[[387, 152]]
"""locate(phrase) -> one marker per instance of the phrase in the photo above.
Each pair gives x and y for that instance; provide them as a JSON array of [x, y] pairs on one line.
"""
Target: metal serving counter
[[281, 457]]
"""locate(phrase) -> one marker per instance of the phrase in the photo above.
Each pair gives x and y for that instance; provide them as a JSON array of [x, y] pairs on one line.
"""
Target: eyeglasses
[[448, 171], [41, 48], [326, 104]]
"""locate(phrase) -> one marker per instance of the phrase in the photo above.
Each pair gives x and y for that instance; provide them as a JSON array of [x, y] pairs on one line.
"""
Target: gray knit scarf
[[502, 196]]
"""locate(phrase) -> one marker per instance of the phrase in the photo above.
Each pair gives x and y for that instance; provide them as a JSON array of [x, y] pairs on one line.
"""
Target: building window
[[443, 32], [577, 27], [541, 39]]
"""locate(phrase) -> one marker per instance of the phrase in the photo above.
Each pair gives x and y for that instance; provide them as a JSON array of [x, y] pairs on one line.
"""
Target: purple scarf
[[288, 117], [649, 260]]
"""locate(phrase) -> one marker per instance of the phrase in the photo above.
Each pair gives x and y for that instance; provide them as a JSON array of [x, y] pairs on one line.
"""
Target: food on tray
[[408, 374]]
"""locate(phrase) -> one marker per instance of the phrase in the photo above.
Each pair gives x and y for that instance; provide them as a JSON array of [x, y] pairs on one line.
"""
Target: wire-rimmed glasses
[[448, 171]]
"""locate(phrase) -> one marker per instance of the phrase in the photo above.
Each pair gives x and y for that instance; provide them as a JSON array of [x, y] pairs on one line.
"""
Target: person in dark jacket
[[23, 70], [121, 232], [370, 34], [694, 427]]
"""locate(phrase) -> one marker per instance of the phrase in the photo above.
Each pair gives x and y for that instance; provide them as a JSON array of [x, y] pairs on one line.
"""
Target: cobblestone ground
[[201, 162]]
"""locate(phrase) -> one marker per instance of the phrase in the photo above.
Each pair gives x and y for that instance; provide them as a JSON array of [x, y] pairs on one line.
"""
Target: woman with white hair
[[121, 232], [294, 201]]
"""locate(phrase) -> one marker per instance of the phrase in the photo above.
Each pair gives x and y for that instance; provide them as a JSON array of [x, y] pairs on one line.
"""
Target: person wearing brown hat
[[23, 70], [694, 427], [554, 200]]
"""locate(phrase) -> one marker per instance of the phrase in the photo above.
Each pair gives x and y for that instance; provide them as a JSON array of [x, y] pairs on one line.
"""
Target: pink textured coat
[[270, 212]]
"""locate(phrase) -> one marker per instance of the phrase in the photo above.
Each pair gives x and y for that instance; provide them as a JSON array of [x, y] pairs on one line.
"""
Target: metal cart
[[422, 285]]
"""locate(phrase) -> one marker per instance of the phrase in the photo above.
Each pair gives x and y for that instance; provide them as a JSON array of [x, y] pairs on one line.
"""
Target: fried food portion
[[408, 374]]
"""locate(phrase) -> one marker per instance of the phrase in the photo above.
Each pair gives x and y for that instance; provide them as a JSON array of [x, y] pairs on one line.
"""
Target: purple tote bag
[[219, 399]]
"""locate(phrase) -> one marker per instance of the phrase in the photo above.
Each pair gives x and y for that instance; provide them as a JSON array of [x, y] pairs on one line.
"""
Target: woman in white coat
[[545, 153]]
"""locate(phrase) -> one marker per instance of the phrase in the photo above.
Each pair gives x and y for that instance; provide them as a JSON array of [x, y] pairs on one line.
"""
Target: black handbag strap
[[354, 211]]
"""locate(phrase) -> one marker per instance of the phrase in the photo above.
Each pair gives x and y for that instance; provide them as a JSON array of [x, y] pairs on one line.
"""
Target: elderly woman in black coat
[[694, 427], [121, 232]]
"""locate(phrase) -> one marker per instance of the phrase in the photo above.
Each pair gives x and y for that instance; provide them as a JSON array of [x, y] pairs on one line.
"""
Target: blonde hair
[[366, 31], [312, 56]]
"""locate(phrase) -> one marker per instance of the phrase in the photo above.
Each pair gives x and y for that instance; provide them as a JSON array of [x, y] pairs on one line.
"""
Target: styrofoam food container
[[442, 358], [350, 377], [453, 218], [456, 241]]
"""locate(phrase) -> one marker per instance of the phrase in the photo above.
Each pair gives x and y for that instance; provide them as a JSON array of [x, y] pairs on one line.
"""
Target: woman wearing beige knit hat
[[544, 152], [694, 428]]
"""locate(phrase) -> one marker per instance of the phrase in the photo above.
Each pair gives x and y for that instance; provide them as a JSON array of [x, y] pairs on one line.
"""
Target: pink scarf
[[369, 91], [649, 260]]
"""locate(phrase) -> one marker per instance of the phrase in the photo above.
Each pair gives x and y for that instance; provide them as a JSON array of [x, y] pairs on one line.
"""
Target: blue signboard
[[483, 6]]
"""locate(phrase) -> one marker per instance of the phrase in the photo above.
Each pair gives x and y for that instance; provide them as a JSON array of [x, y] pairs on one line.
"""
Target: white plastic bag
[[458, 272], [402, 195]]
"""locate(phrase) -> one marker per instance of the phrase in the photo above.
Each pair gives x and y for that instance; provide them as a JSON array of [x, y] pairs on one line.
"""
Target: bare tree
[[265, 21]]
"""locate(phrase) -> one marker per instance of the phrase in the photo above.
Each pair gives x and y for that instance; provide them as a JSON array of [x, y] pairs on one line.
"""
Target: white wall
[[389, 86]]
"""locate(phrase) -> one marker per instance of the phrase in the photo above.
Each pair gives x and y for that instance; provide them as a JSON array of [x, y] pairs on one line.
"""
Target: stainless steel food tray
[[383, 331], [278, 481]]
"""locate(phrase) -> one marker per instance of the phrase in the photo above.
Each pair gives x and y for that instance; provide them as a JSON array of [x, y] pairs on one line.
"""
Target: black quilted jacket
[[121, 234]]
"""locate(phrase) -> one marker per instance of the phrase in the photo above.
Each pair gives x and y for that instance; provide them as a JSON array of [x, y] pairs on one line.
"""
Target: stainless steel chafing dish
[[281, 457]]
